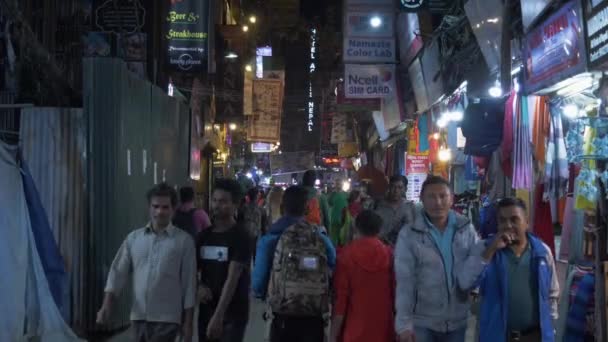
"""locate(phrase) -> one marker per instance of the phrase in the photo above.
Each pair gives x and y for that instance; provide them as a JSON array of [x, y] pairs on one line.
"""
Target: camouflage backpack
[[252, 219], [299, 281]]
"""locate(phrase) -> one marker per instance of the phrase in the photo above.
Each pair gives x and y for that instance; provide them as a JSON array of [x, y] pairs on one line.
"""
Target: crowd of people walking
[[341, 267]]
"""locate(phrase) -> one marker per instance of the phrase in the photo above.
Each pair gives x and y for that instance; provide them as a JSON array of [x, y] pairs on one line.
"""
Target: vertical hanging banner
[[248, 94], [265, 123], [416, 169], [187, 35]]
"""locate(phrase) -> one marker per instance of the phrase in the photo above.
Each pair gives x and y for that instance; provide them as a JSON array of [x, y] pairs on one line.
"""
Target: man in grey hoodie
[[438, 259]]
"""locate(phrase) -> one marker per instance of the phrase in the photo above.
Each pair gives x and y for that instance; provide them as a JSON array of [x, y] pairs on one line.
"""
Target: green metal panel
[[132, 126]]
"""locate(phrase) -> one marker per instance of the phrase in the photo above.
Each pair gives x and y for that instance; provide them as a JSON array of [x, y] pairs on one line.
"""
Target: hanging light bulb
[[495, 90], [571, 111], [444, 154]]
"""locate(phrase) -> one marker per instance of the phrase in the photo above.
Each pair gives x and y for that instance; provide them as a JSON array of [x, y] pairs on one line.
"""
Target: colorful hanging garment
[[585, 199], [541, 130], [523, 169], [556, 160]]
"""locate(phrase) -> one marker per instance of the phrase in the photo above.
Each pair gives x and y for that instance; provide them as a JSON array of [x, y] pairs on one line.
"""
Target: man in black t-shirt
[[224, 257]]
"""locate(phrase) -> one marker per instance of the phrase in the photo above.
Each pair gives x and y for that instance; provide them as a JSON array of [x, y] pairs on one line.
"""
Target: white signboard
[[369, 50], [361, 23], [369, 81]]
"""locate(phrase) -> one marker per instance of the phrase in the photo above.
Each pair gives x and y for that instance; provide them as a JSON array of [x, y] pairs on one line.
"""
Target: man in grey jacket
[[437, 262]]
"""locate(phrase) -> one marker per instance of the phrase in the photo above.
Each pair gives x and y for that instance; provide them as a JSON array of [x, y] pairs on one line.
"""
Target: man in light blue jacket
[[438, 259]]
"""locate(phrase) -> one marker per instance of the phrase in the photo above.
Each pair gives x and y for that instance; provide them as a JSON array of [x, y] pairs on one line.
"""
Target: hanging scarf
[[523, 169], [556, 159]]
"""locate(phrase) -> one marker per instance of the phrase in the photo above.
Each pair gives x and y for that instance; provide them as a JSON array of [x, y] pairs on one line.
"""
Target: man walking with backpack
[[317, 208], [294, 263], [188, 217]]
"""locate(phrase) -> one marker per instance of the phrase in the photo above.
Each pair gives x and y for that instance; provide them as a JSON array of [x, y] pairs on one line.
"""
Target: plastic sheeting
[[28, 309]]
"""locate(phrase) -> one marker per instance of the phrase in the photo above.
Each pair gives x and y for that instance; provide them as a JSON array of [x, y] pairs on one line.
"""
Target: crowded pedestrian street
[[304, 170]]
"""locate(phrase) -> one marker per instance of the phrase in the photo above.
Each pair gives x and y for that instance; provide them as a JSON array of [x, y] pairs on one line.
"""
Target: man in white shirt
[[160, 259]]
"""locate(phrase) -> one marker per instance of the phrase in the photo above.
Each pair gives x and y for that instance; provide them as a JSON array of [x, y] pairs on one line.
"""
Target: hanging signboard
[[530, 10], [248, 93], [187, 34], [265, 123], [555, 50], [596, 22], [408, 34], [369, 50], [344, 104], [416, 170], [120, 16], [290, 162], [261, 147], [418, 85], [367, 23], [369, 81]]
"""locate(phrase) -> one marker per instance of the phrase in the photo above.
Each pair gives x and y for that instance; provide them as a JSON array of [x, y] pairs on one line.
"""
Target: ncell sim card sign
[[363, 81]]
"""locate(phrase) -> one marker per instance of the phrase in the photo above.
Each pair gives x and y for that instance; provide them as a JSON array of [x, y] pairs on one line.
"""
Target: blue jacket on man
[[265, 253], [494, 293]]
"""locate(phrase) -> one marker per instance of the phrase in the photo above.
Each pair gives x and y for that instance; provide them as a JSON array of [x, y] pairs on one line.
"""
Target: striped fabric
[[556, 160], [523, 177]]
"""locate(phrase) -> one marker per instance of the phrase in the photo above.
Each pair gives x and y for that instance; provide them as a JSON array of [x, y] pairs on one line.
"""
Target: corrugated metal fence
[[93, 167]]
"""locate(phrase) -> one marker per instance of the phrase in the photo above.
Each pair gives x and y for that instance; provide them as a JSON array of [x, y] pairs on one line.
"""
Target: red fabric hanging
[[543, 224]]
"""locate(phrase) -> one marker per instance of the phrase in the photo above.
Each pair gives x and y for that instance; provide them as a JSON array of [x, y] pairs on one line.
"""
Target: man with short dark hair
[[285, 327], [188, 217], [519, 288], [161, 262], [437, 262], [395, 210], [224, 259], [364, 286]]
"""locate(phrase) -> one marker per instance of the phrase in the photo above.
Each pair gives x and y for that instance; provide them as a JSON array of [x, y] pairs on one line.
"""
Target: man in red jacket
[[364, 285]]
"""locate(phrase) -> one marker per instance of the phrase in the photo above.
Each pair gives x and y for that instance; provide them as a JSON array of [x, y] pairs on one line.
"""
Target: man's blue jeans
[[428, 335]]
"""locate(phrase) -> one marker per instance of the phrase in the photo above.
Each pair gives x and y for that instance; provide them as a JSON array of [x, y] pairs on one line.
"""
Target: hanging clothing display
[[506, 147], [583, 199], [482, 126], [556, 159], [423, 133], [523, 167], [541, 130], [543, 225]]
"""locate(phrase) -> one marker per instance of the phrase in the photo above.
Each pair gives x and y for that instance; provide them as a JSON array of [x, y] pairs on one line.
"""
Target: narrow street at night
[[304, 170]]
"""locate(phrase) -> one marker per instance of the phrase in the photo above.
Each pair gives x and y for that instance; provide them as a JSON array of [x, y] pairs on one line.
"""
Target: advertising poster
[[416, 170], [187, 35], [265, 123], [555, 49], [369, 81], [596, 21], [369, 50]]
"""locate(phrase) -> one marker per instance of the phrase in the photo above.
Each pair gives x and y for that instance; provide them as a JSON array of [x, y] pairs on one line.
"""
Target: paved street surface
[[256, 329]]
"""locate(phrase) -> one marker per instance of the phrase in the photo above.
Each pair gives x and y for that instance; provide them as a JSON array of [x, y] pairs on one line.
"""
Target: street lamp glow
[[253, 19], [444, 155], [375, 21], [495, 90], [248, 68], [231, 55], [232, 126], [245, 28]]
